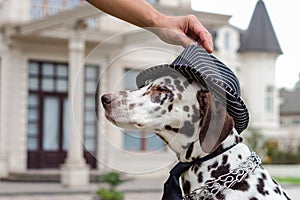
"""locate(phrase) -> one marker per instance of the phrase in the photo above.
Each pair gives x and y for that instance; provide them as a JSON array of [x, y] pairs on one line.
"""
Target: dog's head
[[178, 110]]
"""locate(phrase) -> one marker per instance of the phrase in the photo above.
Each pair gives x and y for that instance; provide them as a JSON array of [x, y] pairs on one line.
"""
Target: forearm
[[137, 12]]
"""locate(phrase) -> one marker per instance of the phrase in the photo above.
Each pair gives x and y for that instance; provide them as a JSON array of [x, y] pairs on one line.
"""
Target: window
[[227, 40], [48, 114], [269, 99], [138, 140], [47, 106]]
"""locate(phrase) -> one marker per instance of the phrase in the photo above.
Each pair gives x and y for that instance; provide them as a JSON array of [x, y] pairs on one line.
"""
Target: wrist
[[158, 20]]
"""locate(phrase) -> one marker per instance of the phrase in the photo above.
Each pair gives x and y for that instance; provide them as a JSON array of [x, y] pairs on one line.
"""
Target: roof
[[290, 102], [260, 35]]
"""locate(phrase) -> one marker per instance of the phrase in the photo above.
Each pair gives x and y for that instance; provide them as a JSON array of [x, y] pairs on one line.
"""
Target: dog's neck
[[193, 151]]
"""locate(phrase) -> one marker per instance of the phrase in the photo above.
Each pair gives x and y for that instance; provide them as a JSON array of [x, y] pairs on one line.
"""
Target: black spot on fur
[[157, 108], [253, 198], [200, 177], [163, 112], [186, 108], [220, 196], [224, 159], [164, 99], [170, 128], [240, 156], [170, 107], [167, 81], [124, 101], [261, 187], [263, 175], [186, 84], [196, 115], [242, 186], [179, 95], [187, 129], [195, 168], [277, 190], [214, 165], [223, 169], [189, 151], [186, 187], [123, 94], [238, 139], [178, 85], [131, 106]]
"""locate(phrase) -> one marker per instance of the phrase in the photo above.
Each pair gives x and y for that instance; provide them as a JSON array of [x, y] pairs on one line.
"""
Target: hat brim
[[234, 104]]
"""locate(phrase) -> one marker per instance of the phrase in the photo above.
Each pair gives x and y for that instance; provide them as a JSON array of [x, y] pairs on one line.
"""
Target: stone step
[[43, 176]]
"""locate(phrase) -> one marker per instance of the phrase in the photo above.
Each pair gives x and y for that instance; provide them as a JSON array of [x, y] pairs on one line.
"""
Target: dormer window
[[269, 99], [227, 40]]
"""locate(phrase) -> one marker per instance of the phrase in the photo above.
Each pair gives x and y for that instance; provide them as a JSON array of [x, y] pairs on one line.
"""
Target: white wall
[[14, 11], [257, 72]]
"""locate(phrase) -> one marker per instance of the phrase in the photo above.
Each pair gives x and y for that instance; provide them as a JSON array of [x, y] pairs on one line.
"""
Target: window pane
[[51, 123], [73, 3], [48, 84], [48, 69], [33, 100], [33, 68], [153, 142], [90, 102], [32, 144], [90, 87], [33, 114], [132, 141], [66, 125], [62, 71], [89, 130], [32, 129], [91, 72], [89, 116], [89, 144], [62, 85], [33, 83]]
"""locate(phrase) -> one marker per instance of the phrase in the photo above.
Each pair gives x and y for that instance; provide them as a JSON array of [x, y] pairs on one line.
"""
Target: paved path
[[133, 196], [145, 189]]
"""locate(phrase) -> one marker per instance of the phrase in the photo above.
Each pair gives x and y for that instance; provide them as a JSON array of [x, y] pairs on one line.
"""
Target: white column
[[3, 82], [75, 171]]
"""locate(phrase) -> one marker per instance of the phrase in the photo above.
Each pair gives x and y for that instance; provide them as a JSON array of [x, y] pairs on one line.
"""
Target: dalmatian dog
[[193, 123]]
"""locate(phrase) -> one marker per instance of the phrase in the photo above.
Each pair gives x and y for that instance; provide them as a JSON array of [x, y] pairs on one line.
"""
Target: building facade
[[56, 56]]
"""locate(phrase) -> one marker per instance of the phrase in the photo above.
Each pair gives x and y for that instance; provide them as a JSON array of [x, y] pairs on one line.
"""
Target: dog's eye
[[161, 89]]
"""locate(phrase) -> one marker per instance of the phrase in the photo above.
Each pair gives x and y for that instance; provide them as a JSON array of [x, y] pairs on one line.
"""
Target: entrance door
[[48, 116], [54, 140]]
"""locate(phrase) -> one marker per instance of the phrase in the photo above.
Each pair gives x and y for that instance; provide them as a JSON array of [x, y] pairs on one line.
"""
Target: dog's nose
[[106, 99]]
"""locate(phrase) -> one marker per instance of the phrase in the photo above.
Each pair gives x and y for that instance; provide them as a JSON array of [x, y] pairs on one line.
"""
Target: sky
[[285, 17]]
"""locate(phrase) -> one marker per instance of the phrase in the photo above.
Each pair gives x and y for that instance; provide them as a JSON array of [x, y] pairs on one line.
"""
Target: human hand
[[184, 31]]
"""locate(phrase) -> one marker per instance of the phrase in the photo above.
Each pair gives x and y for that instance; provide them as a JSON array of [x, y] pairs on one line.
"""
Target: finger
[[205, 38]]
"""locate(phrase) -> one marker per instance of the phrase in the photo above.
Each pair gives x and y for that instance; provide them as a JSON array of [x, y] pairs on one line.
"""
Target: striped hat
[[195, 63]]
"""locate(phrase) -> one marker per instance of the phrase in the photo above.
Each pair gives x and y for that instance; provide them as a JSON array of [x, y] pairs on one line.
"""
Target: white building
[[52, 54]]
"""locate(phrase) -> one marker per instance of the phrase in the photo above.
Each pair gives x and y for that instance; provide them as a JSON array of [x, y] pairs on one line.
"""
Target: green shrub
[[112, 180], [107, 194]]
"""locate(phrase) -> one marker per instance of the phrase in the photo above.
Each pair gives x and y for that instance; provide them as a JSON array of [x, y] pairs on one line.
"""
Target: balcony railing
[[44, 8]]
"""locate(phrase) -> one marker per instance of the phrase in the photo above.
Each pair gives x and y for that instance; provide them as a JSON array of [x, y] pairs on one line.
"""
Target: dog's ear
[[216, 124]]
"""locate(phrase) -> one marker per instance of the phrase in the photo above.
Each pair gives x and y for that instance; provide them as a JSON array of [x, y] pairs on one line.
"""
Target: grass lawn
[[290, 180]]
